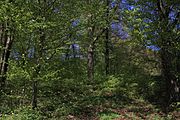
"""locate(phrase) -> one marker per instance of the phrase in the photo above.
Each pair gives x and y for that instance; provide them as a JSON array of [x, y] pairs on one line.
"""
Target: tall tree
[[107, 39], [6, 45], [167, 44]]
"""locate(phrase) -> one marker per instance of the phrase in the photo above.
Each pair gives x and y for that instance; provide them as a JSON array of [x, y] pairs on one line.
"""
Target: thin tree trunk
[[38, 69], [90, 53], [6, 40], [38, 66], [107, 52], [90, 62], [74, 50], [107, 41], [34, 97]]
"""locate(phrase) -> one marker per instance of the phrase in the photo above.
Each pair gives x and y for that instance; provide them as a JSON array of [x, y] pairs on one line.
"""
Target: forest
[[89, 60]]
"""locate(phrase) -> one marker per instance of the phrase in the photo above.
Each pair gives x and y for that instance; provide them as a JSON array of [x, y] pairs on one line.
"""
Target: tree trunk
[[168, 77], [6, 44], [177, 83], [38, 68], [168, 70], [34, 96], [90, 63], [107, 52], [107, 40], [171, 81]]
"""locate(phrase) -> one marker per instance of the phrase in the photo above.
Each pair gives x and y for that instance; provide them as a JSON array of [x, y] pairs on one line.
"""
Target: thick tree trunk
[[168, 77], [168, 70], [177, 83], [171, 81]]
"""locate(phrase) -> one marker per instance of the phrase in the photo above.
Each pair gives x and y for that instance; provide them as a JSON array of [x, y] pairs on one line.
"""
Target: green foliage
[[44, 33], [108, 115], [20, 74], [24, 113], [117, 86]]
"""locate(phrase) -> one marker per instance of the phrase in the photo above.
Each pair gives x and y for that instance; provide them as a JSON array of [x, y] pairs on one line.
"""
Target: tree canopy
[[89, 59]]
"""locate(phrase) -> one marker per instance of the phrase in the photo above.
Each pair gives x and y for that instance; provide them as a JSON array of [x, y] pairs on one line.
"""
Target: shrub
[[24, 113]]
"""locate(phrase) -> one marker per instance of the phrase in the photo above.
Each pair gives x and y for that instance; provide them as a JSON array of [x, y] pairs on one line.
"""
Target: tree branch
[[98, 36]]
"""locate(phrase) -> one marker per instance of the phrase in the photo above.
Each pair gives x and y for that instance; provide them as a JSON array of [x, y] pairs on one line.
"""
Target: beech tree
[[84, 59]]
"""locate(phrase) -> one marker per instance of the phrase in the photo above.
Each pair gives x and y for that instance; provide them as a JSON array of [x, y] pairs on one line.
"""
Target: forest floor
[[105, 101], [135, 110]]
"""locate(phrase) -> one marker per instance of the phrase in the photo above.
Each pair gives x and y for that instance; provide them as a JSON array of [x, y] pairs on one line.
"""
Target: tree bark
[[107, 39], [91, 62], [37, 68], [34, 97], [6, 44], [167, 75], [168, 70], [177, 83], [107, 52]]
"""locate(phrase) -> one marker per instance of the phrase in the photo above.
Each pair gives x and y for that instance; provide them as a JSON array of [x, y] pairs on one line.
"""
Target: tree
[[161, 19], [166, 43], [107, 39]]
